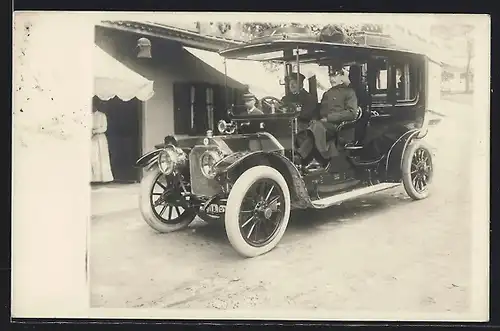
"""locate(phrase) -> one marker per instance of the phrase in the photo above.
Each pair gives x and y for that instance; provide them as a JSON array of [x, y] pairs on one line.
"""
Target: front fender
[[147, 158], [232, 166], [233, 160]]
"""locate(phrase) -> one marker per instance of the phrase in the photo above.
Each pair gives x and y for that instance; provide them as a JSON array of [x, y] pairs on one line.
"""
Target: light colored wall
[[170, 63]]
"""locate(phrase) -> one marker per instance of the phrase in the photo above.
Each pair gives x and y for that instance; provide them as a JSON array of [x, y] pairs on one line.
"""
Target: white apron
[[101, 166]]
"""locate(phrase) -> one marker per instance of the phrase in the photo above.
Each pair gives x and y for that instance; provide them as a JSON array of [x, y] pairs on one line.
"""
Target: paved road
[[382, 253]]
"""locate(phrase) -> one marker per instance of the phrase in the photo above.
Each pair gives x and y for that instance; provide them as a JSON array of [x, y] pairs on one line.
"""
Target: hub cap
[[261, 212], [421, 169]]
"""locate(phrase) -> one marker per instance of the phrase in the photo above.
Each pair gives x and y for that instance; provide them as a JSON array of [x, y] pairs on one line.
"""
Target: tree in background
[[249, 30], [464, 34], [468, 72], [459, 41], [246, 31]]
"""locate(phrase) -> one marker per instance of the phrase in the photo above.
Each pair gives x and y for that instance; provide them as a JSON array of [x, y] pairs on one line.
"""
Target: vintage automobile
[[245, 176]]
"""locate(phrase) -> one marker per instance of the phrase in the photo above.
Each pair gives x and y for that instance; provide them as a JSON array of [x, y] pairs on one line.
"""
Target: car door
[[378, 76], [394, 86]]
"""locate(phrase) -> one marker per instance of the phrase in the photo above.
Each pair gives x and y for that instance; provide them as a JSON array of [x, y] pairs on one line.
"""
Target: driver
[[298, 95], [250, 101]]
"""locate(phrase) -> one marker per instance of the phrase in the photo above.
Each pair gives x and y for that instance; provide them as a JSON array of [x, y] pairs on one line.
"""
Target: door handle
[[375, 113]]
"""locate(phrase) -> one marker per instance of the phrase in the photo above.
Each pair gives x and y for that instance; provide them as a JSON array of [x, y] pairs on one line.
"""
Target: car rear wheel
[[162, 203], [417, 170], [258, 211]]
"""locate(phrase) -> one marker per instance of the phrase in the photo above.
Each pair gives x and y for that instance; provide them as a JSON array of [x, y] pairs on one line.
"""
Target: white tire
[[417, 170], [154, 215], [271, 219]]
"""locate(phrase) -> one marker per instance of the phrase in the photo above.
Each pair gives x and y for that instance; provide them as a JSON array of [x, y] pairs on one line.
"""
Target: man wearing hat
[[338, 104], [250, 101], [298, 95]]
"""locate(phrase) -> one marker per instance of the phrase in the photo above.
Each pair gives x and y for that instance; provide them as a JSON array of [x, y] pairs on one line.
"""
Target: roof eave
[[187, 38]]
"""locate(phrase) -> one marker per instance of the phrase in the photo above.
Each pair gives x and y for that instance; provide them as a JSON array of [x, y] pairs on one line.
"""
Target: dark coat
[[337, 105], [307, 102]]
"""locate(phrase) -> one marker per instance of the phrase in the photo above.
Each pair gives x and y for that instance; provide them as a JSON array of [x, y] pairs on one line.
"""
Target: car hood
[[242, 143]]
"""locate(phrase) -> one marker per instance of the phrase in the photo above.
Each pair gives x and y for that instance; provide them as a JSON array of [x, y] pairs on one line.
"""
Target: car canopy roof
[[282, 45]]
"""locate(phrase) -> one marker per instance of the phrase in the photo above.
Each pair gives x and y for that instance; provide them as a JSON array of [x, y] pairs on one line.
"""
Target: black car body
[[245, 175]]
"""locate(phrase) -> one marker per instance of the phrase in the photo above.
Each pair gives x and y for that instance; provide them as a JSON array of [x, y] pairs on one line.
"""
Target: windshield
[[260, 78], [266, 83], [269, 73], [257, 83]]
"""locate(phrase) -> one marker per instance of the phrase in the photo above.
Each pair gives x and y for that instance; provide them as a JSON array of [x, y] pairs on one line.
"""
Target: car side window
[[392, 82], [382, 81], [378, 80], [405, 82]]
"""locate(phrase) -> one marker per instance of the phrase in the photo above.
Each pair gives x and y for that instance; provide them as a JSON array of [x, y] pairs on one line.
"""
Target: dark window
[[198, 107], [393, 82], [378, 80], [405, 82], [381, 82], [189, 108], [182, 108], [210, 107]]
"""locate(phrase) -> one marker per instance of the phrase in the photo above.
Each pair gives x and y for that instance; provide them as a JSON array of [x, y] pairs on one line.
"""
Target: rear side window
[[393, 82], [405, 82], [378, 80]]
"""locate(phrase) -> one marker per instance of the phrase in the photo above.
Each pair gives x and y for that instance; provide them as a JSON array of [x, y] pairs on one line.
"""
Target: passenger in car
[[299, 96], [338, 104], [250, 104]]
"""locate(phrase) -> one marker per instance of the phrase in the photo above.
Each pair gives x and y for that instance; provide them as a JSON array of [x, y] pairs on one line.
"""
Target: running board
[[330, 201]]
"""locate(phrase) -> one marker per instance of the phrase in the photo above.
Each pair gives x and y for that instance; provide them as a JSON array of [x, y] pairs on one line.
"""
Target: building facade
[[187, 91]]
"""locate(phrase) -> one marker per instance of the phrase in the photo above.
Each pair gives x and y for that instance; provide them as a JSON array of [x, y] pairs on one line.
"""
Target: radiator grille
[[200, 185]]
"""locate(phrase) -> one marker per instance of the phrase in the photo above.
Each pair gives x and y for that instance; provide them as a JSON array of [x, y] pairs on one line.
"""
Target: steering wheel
[[271, 102]]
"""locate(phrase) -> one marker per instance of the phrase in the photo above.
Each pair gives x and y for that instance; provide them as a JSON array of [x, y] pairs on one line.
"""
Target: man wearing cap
[[338, 104], [250, 101], [298, 95]]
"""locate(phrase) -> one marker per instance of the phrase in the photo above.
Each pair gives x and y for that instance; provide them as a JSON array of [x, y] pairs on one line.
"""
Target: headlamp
[[171, 159], [207, 161]]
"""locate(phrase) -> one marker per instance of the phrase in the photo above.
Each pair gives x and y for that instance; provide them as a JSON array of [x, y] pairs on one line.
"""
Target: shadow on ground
[[310, 221]]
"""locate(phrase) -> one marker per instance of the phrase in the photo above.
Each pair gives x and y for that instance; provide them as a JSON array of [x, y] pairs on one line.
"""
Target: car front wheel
[[258, 211], [162, 204]]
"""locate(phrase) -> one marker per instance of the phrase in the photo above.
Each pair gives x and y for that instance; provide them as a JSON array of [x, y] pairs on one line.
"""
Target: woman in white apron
[[101, 166]]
